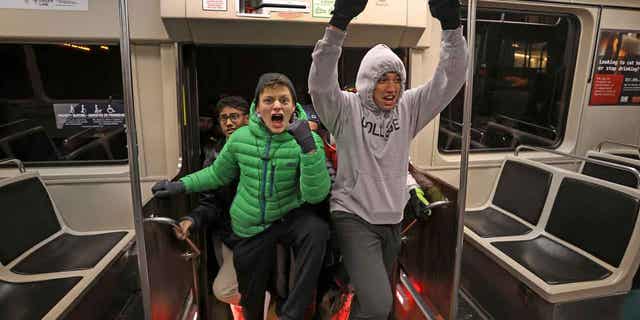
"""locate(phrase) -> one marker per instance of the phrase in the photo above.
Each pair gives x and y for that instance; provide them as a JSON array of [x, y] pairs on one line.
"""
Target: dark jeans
[[254, 260], [368, 252]]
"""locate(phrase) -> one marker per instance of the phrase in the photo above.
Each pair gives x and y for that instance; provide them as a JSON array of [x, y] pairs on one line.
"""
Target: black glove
[[165, 189], [344, 11], [300, 131], [418, 204], [447, 11]]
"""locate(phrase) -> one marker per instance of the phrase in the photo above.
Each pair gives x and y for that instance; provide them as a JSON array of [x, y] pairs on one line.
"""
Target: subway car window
[[14, 82], [92, 75], [61, 104], [522, 82]]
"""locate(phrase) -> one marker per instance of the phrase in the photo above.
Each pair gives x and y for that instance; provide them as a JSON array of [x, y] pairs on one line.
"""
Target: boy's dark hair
[[272, 80], [235, 102]]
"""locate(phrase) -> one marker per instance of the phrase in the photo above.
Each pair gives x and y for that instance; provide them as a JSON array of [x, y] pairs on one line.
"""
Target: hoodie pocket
[[382, 197]]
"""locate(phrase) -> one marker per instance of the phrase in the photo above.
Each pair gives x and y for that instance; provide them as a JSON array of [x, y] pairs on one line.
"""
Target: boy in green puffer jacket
[[281, 165]]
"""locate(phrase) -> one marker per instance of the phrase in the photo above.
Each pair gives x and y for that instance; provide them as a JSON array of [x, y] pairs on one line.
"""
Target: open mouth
[[389, 98], [277, 118]]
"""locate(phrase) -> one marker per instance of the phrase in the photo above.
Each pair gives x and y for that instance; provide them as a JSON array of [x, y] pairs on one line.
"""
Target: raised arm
[[429, 99], [329, 101]]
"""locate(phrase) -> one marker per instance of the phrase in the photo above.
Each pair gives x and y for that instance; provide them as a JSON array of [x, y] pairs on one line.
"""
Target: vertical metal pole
[[464, 155], [134, 168]]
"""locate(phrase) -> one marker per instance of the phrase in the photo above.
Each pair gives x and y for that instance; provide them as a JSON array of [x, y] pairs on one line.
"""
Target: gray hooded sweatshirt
[[372, 144]]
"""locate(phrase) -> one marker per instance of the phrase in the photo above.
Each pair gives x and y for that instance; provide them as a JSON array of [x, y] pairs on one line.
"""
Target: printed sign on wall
[[89, 115], [69, 5], [214, 5], [616, 79], [322, 8]]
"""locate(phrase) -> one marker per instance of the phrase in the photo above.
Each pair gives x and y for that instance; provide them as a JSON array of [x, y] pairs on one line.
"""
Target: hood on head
[[378, 61]]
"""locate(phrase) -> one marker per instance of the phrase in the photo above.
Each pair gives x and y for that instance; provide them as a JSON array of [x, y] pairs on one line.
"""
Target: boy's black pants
[[254, 260]]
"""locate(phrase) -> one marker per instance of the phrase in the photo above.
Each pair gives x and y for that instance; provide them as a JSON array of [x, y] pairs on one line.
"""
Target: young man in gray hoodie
[[373, 129]]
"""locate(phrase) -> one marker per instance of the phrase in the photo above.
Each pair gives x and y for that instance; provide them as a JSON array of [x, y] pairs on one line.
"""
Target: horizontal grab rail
[[599, 147], [505, 21], [170, 222], [633, 171], [14, 161], [436, 204]]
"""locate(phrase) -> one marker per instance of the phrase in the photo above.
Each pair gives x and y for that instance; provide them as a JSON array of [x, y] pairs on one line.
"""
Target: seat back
[[594, 217], [522, 190], [615, 175], [28, 216]]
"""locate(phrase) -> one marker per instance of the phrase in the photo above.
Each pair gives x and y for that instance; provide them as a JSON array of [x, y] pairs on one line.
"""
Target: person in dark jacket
[[213, 209]]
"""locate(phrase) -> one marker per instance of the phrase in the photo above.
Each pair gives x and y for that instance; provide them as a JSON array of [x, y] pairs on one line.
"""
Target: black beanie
[[274, 77]]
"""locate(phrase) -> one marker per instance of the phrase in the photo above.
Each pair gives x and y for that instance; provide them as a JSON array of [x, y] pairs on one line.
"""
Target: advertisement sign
[[616, 79]]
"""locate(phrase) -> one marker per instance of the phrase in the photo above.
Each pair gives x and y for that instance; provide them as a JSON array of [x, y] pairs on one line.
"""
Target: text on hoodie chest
[[379, 129]]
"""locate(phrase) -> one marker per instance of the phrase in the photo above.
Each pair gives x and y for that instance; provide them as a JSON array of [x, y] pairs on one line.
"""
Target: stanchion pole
[[464, 154], [134, 168]]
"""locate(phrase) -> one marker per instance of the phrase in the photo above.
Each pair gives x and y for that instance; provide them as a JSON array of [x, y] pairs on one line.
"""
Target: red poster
[[616, 79], [606, 89]]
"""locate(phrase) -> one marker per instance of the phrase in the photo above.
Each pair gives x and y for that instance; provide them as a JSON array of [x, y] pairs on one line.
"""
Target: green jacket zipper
[[273, 173], [263, 184]]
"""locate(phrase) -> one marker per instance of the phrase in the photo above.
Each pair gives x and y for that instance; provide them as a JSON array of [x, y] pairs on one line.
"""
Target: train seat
[[614, 175], [40, 253], [589, 246], [581, 210], [553, 262], [516, 203], [14, 296]]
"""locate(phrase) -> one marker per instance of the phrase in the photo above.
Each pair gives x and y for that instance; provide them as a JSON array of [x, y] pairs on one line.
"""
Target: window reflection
[[523, 69]]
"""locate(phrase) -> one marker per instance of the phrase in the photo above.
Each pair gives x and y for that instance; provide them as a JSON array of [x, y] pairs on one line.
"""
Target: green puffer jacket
[[275, 176]]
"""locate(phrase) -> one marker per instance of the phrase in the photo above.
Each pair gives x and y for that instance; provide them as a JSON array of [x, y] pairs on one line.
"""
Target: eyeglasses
[[232, 116]]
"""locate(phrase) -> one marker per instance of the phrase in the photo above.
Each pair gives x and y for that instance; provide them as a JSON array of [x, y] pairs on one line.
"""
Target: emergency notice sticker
[[214, 5], [616, 78], [89, 115], [322, 8], [64, 5]]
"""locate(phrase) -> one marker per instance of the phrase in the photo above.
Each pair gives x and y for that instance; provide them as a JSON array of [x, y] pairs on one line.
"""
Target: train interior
[[552, 232]]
